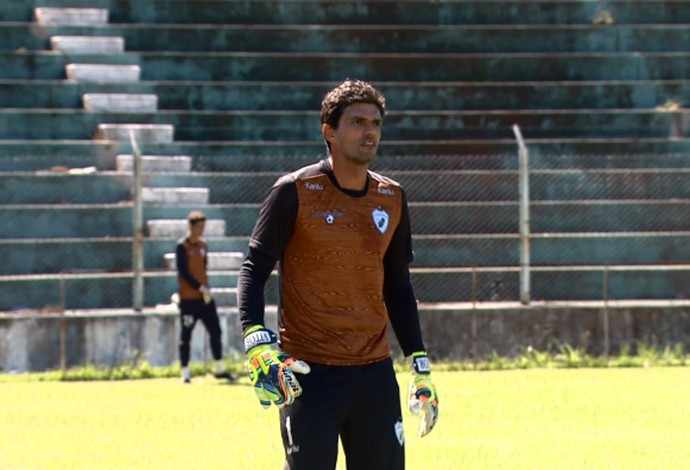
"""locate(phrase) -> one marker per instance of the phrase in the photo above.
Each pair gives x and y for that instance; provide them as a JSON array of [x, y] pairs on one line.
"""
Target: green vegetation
[[527, 358], [632, 418], [568, 357]]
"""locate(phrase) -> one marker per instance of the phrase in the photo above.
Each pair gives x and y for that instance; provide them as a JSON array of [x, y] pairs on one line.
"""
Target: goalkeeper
[[195, 300], [342, 236]]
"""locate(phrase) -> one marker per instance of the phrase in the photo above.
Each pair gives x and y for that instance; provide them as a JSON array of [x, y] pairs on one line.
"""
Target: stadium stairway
[[134, 104], [598, 89]]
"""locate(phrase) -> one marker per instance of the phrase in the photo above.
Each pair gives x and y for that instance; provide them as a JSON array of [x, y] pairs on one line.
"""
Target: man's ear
[[328, 132]]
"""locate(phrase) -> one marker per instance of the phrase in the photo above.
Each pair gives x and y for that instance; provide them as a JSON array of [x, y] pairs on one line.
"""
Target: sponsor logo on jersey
[[313, 186], [328, 216], [202, 252], [385, 190], [381, 219]]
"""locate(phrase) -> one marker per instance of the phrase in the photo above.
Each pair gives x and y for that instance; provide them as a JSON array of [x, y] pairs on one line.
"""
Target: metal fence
[[599, 227]]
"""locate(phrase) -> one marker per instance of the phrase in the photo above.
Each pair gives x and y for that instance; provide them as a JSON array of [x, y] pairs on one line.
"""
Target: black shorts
[[359, 404]]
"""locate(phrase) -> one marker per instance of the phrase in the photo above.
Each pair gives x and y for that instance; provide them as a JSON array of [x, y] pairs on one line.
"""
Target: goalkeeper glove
[[270, 369], [206, 294], [422, 398]]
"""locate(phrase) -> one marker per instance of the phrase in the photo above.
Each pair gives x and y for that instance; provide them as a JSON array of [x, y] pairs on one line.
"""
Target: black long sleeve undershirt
[[254, 273], [183, 266]]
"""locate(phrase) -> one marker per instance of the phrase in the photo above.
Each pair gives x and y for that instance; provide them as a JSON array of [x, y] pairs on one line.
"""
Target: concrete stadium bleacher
[[241, 82]]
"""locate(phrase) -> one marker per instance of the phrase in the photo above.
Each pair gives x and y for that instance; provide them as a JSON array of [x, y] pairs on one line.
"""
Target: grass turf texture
[[632, 418]]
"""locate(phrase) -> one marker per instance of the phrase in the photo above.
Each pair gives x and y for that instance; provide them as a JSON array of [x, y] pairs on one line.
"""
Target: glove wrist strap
[[259, 337], [420, 363]]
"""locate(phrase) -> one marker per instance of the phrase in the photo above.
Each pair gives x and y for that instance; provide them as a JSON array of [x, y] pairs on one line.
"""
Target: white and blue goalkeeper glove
[[423, 399], [270, 369]]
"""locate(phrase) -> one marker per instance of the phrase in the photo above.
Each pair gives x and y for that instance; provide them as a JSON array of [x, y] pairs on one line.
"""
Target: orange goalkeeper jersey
[[332, 267]]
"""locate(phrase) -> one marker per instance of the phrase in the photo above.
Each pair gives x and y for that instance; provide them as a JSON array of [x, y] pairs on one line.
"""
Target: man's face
[[358, 134], [196, 230]]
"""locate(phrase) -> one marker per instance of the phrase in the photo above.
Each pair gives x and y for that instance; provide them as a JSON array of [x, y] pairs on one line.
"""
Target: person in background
[[341, 234], [195, 299]]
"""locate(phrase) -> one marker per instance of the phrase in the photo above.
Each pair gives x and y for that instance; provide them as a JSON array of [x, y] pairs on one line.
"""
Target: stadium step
[[437, 218], [400, 96], [27, 256], [570, 283], [102, 73], [120, 103], [359, 38], [224, 296], [156, 163], [99, 254], [284, 156], [50, 16], [369, 12], [143, 133], [114, 290], [115, 220], [87, 44], [440, 185], [433, 67], [304, 125], [175, 195], [217, 261], [177, 228]]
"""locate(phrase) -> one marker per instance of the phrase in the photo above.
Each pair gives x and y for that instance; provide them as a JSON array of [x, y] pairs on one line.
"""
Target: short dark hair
[[195, 217], [347, 93]]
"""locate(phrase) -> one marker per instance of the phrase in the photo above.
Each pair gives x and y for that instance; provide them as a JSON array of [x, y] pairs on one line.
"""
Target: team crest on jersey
[[381, 219], [202, 252]]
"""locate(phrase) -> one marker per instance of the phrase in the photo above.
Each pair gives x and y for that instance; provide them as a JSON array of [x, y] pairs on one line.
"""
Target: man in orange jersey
[[195, 300], [341, 234]]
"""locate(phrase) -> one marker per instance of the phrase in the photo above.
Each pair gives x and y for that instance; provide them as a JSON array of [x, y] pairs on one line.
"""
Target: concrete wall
[[32, 342]]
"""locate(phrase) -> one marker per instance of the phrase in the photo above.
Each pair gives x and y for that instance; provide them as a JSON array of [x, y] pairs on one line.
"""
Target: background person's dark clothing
[[190, 312]]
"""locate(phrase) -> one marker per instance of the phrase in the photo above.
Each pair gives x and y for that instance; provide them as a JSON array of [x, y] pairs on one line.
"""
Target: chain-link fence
[[600, 226]]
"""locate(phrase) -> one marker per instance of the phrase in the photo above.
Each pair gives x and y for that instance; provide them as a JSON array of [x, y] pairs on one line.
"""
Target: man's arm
[[272, 231], [254, 273], [398, 293], [183, 267], [271, 371]]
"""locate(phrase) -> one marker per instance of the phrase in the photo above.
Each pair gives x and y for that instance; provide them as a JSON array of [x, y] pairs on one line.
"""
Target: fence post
[[523, 192], [475, 349], [138, 224], [607, 341], [63, 327]]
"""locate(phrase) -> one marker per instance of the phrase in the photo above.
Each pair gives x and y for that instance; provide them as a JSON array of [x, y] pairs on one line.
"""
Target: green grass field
[[523, 419]]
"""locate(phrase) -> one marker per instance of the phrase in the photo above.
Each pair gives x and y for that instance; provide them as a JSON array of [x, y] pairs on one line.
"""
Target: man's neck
[[349, 175]]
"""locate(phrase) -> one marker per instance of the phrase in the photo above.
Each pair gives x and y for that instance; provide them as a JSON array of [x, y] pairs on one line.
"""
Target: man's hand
[[422, 398], [270, 369], [206, 293]]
